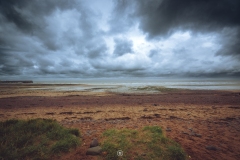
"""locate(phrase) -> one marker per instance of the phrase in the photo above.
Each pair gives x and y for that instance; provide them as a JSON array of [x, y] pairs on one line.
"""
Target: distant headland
[[28, 81]]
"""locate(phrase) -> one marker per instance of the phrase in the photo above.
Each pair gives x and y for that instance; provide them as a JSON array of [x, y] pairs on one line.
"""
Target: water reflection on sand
[[144, 85]]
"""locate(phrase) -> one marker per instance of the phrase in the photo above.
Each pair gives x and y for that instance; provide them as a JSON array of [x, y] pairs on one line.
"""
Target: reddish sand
[[197, 118]]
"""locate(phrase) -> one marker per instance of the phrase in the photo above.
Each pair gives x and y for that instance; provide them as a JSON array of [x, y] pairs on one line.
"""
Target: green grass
[[35, 139], [148, 143]]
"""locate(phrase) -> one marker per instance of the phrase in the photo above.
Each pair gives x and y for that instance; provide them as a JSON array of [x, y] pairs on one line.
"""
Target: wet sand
[[194, 118]]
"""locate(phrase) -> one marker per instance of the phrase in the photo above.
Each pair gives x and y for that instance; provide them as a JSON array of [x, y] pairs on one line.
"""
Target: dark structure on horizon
[[17, 81]]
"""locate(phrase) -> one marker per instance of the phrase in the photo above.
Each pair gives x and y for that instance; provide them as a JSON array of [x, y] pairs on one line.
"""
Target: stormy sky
[[119, 38]]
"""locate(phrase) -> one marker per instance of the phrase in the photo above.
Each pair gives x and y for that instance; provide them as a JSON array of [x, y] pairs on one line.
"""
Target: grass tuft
[[153, 129], [147, 143], [35, 139]]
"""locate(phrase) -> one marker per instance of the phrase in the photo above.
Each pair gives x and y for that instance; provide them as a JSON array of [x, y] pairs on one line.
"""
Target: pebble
[[94, 151]]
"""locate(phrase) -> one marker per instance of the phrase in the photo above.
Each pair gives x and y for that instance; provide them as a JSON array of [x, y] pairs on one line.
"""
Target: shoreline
[[35, 89]]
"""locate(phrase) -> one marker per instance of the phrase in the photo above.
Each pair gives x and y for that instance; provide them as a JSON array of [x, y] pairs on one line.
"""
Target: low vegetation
[[148, 143], [155, 88], [35, 139]]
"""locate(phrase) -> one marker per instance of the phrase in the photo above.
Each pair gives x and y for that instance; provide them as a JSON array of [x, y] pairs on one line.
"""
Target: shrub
[[35, 139]]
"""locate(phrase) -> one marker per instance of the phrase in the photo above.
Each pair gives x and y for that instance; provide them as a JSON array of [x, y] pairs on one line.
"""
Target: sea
[[131, 84]]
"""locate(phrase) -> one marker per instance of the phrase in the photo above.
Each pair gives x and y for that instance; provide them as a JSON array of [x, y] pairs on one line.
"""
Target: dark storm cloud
[[164, 16], [9, 65], [39, 36], [200, 16], [118, 69], [161, 18], [11, 14], [122, 46], [27, 15], [231, 42], [121, 19]]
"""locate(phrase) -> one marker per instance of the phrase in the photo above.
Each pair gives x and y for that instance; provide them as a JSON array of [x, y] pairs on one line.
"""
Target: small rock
[[211, 148], [94, 143], [94, 151], [145, 109]]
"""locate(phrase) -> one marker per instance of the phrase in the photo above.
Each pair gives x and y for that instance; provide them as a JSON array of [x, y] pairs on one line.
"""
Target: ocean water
[[127, 85]]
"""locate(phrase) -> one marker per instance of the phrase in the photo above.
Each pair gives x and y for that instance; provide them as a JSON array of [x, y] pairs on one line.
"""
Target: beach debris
[[211, 148], [94, 151], [94, 143]]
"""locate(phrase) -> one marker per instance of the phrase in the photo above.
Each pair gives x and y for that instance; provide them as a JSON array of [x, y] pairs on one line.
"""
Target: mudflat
[[205, 122]]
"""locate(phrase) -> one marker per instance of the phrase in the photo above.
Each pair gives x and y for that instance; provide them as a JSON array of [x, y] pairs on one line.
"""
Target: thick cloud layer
[[198, 16], [119, 38], [166, 16]]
